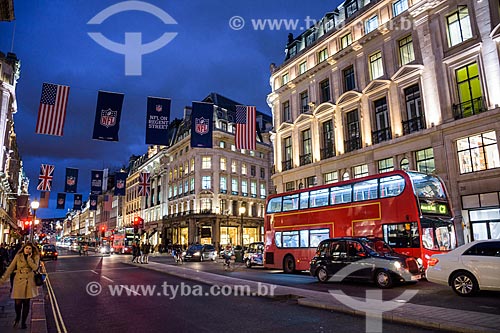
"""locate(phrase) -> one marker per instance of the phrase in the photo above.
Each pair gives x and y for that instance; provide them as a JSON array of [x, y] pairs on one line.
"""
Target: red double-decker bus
[[122, 241], [409, 210]]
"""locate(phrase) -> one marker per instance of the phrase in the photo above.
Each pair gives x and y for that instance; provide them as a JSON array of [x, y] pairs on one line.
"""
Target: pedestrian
[[135, 250], [25, 262], [147, 249]]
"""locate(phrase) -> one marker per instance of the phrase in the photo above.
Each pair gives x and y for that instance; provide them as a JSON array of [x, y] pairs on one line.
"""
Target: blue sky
[[50, 37]]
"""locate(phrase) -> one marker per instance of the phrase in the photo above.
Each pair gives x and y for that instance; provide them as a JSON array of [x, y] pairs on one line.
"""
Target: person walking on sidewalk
[[25, 262]]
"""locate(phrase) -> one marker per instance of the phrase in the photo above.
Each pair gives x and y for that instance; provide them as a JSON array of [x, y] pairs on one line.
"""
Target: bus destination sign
[[434, 208]]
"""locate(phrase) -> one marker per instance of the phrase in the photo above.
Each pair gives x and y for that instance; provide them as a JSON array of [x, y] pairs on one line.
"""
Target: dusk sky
[[50, 38]]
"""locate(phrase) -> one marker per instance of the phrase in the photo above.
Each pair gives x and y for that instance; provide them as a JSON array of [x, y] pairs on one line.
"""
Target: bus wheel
[[322, 275], [289, 264], [383, 279]]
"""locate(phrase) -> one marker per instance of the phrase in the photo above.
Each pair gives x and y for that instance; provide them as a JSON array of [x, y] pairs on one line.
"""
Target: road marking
[[89, 270], [61, 327], [102, 276]]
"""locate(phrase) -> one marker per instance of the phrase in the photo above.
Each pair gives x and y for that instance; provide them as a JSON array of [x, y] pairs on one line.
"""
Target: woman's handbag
[[39, 278]]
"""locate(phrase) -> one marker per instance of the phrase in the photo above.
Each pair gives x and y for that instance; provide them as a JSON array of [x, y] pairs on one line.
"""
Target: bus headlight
[[397, 264]]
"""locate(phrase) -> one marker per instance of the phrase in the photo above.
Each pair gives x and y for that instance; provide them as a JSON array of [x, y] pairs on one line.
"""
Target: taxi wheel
[[464, 284], [248, 264], [383, 279], [322, 275]]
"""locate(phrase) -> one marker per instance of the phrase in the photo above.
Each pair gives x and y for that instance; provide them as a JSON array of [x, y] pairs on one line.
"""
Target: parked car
[[254, 254], [363, 258], [104, 249], [200, 252], [468, 268], [49, 251]]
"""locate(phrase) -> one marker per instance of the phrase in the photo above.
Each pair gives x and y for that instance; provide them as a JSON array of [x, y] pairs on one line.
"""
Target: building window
[[310, 38], [306, 157], [311, 181], [222, 144], [287, 116], [346, 176], [469, 91], [206, 204], [360, 171], [206, 162], [328, 149], [192, 165], [415, 118], [253, 189], [353, 141], [371, 24], [425, 161], [191, 184], [233, 147], [289, 186], [284, 79], [302, 67], [186, 168], [458, 26], [223, 164], [404, 164], [324, 88], [244, 188], [349, 80], [386, 165], [399, 6], [262, 191], [351, 7], [322, 55], [287, 162], [345, 41], [223, 184], [478, 152], [383, 130], [234, 166], [304, 101], [244, 168], [206, 182], [406, 53], [330, 177], [292, 51], [223, 126], [376, 67], [234, 186], [253, 170], [329, 25]]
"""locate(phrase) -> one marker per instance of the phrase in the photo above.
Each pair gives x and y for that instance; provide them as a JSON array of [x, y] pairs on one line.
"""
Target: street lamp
[[34, 205], [242, 212]]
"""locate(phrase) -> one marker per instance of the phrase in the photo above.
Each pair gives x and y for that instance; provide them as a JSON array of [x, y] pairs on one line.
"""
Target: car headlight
[[197, 253], [184, 253], [420, 262], [397, 264]]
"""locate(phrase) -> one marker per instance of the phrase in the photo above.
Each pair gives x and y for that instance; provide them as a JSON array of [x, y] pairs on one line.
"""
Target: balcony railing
[[352, 144], [469, 108], [381, 135], [327, 152], [305, 159], [413, 125], [286, 165]]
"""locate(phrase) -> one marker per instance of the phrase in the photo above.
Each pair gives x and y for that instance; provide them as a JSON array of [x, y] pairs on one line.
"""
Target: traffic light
[[137, 223], [103, 229]]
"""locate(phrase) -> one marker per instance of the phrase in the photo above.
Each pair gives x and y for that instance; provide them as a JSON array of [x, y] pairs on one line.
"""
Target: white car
[[469, 268]]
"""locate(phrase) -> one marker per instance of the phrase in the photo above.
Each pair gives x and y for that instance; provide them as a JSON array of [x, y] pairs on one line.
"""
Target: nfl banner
[[157, 119], [61, 200], [71, 180], [107, 116], [96, 182], [202, 125], [77, 202], [93, 202], [120, 183]]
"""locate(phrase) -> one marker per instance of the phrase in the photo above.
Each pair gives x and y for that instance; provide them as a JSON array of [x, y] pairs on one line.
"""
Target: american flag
[[245, 127], [108, 201], [45, 177], [144, 184], [52, 110]]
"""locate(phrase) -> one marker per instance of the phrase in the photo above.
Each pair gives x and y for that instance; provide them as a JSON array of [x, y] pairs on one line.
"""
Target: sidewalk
[[36, 320], [413, 314]]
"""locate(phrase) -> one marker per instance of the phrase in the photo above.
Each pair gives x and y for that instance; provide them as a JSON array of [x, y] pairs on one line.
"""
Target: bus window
[[340, 194], [319, 198], [274, 205], [316, 236], [365, 190], [277, 238], [427, 186], [290, 238], [304, 200], [402, 235], [391, 186], [304, 238], [290, 202]]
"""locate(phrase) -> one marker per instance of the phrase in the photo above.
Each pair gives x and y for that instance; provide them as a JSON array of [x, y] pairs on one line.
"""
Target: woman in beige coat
[[25, 262]]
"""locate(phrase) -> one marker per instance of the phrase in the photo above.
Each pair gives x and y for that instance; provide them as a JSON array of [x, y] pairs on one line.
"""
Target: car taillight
[[55, 253], [43, 253], [432, 261]]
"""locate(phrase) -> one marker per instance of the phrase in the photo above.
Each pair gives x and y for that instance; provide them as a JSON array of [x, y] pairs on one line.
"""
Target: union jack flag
[[144, 184], [45, 177]]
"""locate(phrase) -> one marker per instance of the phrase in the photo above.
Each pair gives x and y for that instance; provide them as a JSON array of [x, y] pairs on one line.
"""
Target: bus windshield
[[427, 186], [438, 234]]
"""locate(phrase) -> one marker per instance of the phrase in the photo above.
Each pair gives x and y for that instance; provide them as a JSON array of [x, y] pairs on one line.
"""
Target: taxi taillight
[[432, 261]]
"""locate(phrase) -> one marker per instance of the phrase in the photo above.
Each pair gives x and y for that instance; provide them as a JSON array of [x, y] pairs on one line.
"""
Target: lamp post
[[242, 212], [34, 205]]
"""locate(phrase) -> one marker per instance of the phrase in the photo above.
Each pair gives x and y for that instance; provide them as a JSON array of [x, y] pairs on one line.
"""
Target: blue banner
[[71, 180], [107, 116], [120, 183], [93, 202], [96, 182], [61, 200], [202, 125], [77, 202], [157, 119]]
